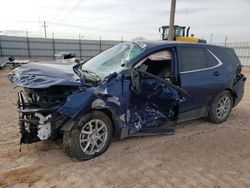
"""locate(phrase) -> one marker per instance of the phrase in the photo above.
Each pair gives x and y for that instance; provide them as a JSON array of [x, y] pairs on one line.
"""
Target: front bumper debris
[[33, 125]]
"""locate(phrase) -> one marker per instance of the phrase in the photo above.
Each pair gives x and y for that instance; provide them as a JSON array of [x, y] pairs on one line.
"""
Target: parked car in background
[[131, 89]]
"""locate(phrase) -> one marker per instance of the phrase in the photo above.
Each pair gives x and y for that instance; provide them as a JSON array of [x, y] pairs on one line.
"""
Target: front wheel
[[221, 107], [89, 137]]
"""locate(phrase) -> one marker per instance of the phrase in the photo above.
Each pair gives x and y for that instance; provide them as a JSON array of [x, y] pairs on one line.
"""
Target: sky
[[127, 19]]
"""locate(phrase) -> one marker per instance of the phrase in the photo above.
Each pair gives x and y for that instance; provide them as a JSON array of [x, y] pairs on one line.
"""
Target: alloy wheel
[[223, 107], [93, 136]]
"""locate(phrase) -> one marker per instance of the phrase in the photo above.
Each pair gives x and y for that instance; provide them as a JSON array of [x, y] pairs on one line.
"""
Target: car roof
[[154, 44]]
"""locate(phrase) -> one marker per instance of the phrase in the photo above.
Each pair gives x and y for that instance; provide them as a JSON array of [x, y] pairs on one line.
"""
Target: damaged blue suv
[[131, 89]]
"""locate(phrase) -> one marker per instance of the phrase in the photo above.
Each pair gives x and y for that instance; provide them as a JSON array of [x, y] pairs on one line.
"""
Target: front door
[[153, 104]]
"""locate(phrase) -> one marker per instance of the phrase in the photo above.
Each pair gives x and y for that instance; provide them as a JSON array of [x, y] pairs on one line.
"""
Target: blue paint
[[44, 75], [156, 103]]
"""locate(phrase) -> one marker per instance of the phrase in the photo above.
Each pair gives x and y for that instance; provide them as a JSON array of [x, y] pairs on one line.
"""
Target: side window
[[195, 59], [228, 56], [159, 64]]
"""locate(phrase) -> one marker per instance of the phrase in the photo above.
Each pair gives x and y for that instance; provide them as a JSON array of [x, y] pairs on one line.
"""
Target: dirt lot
[[200, 154]]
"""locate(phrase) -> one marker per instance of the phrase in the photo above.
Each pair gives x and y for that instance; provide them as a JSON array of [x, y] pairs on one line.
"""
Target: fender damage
[[45, 87]]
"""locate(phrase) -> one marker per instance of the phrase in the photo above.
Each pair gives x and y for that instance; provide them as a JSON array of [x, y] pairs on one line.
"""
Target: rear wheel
[[90, 137], [221, 107]]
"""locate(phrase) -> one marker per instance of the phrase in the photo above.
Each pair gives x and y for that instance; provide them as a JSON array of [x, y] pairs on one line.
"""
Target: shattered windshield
[[113, 59]]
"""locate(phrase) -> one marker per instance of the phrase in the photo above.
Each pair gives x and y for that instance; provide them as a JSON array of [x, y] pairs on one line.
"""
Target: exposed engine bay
[[37, 108]]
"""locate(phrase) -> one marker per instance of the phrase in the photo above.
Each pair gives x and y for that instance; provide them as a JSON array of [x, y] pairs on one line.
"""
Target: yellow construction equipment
[[180, 34]]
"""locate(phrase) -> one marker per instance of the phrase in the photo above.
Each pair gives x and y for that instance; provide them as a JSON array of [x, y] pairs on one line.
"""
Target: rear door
[[234, 68], [201, 75]]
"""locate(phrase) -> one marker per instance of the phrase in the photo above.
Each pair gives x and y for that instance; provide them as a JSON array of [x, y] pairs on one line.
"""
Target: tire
[[89, 137], [221, 107]]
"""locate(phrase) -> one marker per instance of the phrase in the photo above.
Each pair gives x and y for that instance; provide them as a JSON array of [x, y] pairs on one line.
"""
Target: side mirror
[[136, 81], [11, 59]]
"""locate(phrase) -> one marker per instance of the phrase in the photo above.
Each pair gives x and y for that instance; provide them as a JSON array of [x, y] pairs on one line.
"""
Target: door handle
[[216, 73]]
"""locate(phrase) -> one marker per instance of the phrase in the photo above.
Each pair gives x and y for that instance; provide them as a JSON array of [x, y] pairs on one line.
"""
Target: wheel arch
[[69, 124], [225, 89], [111, 116], [234, 95]]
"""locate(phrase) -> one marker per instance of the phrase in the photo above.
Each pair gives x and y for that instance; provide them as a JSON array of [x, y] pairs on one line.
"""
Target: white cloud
[[131, 18]]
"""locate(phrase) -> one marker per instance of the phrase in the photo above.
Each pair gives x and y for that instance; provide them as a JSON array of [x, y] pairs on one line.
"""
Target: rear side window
[[195, 59], [228, 56]]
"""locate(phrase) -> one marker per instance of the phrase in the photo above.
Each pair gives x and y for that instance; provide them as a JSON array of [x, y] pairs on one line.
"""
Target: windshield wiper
[[77, 70]]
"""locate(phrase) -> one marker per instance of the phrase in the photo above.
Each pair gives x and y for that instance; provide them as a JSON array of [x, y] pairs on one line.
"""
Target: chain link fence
[[47, 47], [84, 48]]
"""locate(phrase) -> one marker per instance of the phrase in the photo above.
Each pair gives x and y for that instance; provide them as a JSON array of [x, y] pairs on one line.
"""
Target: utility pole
[[211, 38], [28, 43], [40, 25], [100, 43], [171, 20], [1, 50], [80, 45], [54, 46], [226, 41], [45, 30]]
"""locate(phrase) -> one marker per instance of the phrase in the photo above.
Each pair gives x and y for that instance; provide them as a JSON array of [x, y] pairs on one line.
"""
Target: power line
[[91, 28], [63, 5], [60, 9], [72, 26], [73, 9]]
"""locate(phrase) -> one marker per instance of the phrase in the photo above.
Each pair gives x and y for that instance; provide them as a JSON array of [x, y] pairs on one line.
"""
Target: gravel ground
[[200, 154]]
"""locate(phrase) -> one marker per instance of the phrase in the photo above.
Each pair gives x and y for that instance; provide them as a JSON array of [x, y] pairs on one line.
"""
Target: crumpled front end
[[43, 75], [45, 88], [38, 116], [54, 104]]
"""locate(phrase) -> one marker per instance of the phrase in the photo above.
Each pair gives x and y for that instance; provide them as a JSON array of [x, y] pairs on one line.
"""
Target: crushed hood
[[44, 75]]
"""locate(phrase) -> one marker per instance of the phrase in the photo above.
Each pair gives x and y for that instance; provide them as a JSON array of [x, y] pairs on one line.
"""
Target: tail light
[[239, 69]]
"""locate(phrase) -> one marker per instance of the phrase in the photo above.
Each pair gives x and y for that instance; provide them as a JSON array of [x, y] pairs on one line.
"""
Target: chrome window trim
[[217, 59]]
